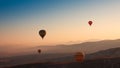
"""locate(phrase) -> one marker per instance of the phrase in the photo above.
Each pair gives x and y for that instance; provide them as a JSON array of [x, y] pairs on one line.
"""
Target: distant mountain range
[[60, 53], [66, 57], [86, 47], [103, 54], [109, 53]]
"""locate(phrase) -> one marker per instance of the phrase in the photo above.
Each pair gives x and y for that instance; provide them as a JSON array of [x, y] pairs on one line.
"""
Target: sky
[[65, 21]]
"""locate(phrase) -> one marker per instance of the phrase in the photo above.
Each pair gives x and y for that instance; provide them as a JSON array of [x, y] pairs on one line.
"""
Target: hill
[[99, 63], [86, 47], [65, 53], [58, 58], [109, 53]]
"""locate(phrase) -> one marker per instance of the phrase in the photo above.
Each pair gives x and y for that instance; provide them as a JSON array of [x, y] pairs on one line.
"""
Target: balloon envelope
[[39, 51], [90, 23], [42, 33], [79, 56]]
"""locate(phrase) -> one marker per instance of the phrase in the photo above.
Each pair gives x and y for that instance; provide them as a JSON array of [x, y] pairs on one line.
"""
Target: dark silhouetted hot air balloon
[[42, 33], [79, 56], [90, 23], [39, 51]]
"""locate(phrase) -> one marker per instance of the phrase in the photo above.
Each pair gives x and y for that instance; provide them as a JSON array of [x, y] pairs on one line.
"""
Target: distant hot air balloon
[[90, 23], [79, 56], [42, 33], [39, 51]]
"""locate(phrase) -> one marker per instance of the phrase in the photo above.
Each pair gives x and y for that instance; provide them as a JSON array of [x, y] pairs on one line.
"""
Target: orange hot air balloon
[[90, 23], [42, 33], [39, 51], [79, 56]]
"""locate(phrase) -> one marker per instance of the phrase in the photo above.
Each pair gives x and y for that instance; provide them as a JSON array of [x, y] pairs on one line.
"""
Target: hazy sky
[[64, 20]]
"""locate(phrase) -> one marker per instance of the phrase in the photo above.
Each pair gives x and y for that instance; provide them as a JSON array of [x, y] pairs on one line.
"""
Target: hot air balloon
[[90, 23], [42, 33], [79, 56], [39, 51]]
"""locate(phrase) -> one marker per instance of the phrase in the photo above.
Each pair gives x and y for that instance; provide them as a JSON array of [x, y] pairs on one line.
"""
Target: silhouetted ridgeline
[[104, 57], [56, 57], [98, 63], [109, 53], [87, 47]]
